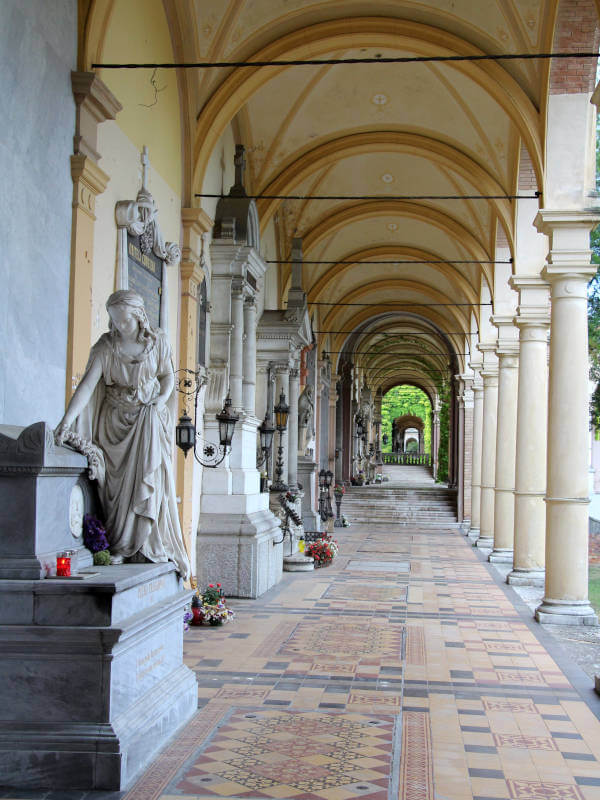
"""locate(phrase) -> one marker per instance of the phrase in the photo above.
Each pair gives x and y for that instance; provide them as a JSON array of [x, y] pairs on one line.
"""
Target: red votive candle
[[63, 565]]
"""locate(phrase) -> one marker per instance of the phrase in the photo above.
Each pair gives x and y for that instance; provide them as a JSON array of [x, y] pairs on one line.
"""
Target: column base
[[485, 542], [526, 577], [473, 533], [298, 563], [500, 555], [560, 612]]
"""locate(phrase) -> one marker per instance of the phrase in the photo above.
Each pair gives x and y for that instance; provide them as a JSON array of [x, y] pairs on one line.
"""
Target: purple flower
[[94, 534]]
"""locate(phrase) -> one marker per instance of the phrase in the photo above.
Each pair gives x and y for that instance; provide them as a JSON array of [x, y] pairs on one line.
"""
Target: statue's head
[[127, 303]]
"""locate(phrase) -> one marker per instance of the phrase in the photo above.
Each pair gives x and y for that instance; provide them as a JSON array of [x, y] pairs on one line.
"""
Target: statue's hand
[[60, 433]]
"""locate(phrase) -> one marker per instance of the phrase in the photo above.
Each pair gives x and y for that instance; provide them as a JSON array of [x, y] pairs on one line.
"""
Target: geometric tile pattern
[[546, 790], [305, 755], [339, 637], [364, 681], [416, 769]]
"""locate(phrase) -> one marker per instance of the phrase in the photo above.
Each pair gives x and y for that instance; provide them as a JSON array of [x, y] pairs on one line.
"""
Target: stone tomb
[[92, 681]]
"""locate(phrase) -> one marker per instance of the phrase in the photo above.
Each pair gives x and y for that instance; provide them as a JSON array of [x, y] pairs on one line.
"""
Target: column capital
[[95, 103], [197, 220], [294, 373], [549, 221], [237, 288], [250, 302], [280, 367]]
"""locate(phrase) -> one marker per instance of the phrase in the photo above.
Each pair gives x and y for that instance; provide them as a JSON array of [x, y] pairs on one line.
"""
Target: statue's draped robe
[[138, 491]]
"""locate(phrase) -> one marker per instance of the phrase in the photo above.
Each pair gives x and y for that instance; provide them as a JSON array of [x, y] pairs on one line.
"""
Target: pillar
[[476, 452], [507, 351], [237, 345], [460, 461], [195, 222], [568, 272], [467, 447], [533, 322], [94, 104], [249, 357], [435, 438], [489, 375], [293, 427]]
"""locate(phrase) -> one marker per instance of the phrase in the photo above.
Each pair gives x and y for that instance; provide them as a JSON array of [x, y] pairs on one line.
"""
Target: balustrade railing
[[407, 459]]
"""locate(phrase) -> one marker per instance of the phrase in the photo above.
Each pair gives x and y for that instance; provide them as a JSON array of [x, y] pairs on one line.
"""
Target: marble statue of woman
[[121, 404]]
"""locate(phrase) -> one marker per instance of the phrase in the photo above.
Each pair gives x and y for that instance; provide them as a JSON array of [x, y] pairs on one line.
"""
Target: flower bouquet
[[96, 541], [322, 550], [214, 606], [339, 489]]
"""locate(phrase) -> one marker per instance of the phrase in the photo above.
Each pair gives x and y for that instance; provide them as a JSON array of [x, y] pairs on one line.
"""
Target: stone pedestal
[[236, 530], [36, 482], [307, 470], [92, 679]]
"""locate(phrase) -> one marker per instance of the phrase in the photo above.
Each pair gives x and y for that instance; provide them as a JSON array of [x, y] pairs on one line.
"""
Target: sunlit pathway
[[402, 670]]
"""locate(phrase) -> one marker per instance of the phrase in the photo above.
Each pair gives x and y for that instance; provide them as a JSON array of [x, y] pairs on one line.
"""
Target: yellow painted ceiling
[[386, 130]]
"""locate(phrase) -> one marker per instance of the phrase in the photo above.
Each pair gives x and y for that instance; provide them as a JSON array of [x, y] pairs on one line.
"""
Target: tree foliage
[[403, 400]]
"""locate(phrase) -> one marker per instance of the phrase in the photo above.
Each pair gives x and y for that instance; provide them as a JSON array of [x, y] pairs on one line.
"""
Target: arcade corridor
[[394, 673]]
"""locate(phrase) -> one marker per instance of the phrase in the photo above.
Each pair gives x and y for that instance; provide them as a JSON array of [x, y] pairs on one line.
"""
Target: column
[[249, 357], [533, 322], [293, 427], [282, 384], [568, 272], [476, 451], [195, 222], [489, 374], [460, 439], [507, 351], [435, 438], [237, 345], [94, 104], [467, 447]]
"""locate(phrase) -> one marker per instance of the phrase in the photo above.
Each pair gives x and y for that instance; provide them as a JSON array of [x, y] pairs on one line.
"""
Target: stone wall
[[37, 51]]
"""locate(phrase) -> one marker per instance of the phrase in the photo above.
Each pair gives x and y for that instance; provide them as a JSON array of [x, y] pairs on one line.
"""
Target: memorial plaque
[[145, 277]]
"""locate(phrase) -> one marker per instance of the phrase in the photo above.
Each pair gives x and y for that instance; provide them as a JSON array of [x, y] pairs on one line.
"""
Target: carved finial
[[240, 166], [145, 166]]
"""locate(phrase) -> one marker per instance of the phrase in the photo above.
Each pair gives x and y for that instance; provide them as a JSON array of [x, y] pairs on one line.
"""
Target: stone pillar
[[94, 104], [249, 357], [467, 447], [533, 321], [460, 474], [195, 222], [476, 453], [435, 438], [293, 427], [507, 351], [568, 272], [332, 461], [282, 378], [489, 374], [237, 345]]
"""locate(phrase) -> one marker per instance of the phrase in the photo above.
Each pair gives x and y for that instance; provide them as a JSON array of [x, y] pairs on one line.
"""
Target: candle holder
[[63, 564]]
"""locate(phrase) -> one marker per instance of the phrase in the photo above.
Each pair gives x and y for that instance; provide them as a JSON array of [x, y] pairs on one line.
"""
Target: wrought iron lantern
[[186, 435], [281, 417], [281, 413], [325, 480], [385, 438], [266, 431]]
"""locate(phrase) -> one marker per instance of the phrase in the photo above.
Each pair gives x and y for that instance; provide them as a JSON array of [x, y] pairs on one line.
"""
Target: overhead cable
[[395, 261], [301, 62], [404, 333], [395, 303], [222, 196]]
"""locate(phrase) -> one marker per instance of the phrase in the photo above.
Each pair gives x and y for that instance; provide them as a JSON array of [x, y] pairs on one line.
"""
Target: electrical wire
[[395, 303], [397, 261], [300, 62], [405, 333], [372, 196]]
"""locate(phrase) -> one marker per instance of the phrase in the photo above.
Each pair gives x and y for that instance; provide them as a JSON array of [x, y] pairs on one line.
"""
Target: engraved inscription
[[148, 663], [150, 588]]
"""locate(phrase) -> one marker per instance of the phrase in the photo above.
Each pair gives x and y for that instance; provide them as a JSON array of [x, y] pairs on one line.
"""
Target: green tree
[[403, 400]]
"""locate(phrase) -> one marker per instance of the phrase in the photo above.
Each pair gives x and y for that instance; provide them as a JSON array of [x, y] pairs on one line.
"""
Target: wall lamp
[[186, 435]]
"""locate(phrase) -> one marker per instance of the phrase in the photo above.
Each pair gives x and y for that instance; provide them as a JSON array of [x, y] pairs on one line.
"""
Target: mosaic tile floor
[[394, 673]]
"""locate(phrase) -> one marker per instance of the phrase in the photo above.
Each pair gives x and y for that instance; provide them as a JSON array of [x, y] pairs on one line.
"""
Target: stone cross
[[145, 167]]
